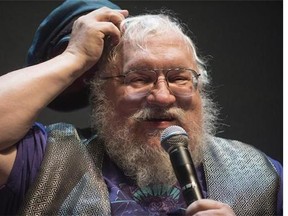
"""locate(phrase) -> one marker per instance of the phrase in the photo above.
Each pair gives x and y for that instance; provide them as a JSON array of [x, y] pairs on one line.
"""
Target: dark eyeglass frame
[[194, 73]]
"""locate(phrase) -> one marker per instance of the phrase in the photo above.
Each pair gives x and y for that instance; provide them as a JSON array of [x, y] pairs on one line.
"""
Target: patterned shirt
[[125, 197], [30, 152], [128, 199]]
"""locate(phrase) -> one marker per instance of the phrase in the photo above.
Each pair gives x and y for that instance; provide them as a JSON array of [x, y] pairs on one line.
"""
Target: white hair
[[136, 30]]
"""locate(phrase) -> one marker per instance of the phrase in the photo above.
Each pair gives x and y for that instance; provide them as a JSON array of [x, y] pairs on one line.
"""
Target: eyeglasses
[[139, 82]]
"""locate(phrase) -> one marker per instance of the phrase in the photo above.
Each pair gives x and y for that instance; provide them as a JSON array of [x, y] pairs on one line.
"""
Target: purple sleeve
[[30, 152], [279, 170]]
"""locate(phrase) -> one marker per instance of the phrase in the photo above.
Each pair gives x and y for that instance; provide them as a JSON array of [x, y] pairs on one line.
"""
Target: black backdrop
[[243, 40]]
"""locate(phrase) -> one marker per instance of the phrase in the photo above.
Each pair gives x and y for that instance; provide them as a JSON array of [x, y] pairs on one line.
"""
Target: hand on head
[[89, 32]]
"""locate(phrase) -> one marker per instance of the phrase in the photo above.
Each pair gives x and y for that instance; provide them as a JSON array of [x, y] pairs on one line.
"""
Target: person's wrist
[[77, 63]]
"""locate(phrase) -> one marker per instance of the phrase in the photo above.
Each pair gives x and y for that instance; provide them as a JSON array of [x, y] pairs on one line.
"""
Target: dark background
[[243, 40]]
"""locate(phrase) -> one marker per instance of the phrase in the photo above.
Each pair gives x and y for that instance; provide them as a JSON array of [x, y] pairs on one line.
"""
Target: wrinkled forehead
[[163, 48], [141, 31], [154, 49], [151, 41]]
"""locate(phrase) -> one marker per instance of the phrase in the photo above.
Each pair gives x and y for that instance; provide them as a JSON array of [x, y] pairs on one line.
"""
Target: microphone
[[174, 140]]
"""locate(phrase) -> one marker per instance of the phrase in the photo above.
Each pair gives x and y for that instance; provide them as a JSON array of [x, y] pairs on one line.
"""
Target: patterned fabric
[[69, 183], [240, 176], [70, 180], [127, 198], [29, 156]]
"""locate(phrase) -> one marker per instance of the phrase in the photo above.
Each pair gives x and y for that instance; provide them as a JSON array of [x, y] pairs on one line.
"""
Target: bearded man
[[148, 77]]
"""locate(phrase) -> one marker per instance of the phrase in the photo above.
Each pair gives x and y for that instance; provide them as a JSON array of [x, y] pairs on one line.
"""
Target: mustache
[[148, 113]]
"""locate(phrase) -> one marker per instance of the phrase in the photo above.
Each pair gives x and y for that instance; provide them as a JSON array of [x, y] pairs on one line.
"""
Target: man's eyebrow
[[138, 67]]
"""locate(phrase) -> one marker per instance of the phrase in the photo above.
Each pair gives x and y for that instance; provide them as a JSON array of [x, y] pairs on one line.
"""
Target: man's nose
[[160, 94]]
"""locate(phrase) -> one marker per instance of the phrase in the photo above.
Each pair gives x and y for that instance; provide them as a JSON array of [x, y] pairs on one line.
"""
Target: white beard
[[144, 163]]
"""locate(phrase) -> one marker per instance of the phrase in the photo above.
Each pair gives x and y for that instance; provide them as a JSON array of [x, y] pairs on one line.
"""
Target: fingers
[[90, 31], [106, 21], [111, 19], [209, 207], [108, 15], [105, 14]]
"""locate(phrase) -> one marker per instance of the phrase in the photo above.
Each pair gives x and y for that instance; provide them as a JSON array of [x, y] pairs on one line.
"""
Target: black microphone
[[174, 140]]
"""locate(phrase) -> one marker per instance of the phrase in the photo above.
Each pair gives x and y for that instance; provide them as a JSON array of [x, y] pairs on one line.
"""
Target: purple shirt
[[125, 197], [30, 152], [128, 199]]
